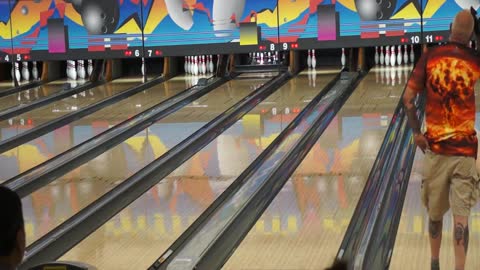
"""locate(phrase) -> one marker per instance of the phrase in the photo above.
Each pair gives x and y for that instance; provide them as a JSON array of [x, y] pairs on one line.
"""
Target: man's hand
[[421, 141]]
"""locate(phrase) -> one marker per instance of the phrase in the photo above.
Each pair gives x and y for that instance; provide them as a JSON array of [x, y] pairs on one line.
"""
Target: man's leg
[[435, 233], [460, 240], [435, 191]]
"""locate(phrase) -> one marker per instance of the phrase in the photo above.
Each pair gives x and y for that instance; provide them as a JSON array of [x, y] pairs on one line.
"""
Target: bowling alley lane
[[412, 237], [101, 174], [67, 105], [32, 94], [31, 154], [136, 236], [304, 225]]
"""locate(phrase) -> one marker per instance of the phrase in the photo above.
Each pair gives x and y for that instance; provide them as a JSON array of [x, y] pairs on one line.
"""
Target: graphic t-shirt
[[448, 75]]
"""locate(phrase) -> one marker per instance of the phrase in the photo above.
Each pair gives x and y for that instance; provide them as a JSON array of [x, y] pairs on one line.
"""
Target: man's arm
[[411, 110]]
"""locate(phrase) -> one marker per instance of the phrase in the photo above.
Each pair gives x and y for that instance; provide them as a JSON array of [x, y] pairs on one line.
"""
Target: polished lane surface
[[28, 155], [101, 174], [31, 119], [29, 95], [305, 224], [412, 236], [136, 236]]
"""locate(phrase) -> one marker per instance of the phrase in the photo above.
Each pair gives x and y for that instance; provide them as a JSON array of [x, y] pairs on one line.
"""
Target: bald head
[[462, 27]]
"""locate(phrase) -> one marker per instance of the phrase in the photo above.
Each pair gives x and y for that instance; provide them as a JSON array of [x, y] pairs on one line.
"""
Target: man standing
[[12, 231], [448, 75]]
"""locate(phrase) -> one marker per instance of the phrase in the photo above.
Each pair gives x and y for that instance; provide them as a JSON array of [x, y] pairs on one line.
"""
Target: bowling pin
[[143, 66], [35, 70], [81, 69], [185, 64], [210, 64], [376, 55], [393, 56], [412, 55], [261, 58], [204, 64], [195, 65], [25, 71], [18, 76], [405, 54], [90, 67], [190, 65], [309, 59], [343, 59], [74, 70], [387, 55], [314, 59], [399, 55], [382, 56]]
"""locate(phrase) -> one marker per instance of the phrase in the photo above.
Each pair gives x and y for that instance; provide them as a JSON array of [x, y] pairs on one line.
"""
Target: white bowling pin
[[25, 71], [309, 59], [376, 56], [276, 57], [382, 56], [412, 55], [35, 70], [314, 59], [195, 65], [81, 69], [210, 64], [204, 64], [143, 66], [185, 65], [18, 76], [190, 65], [387, 55], [405, 54], [226, 15], [343, 59], [90, 67], [393, 56], [74, 70], [68, 71], [399, 55], [261, 59]]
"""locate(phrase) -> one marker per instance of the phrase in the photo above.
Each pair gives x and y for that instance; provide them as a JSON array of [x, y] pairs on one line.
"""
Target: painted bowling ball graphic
[[99, 17], [373, 10]]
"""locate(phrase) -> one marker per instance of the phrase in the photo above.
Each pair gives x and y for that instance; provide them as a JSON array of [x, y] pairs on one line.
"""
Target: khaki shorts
[[449, 181]]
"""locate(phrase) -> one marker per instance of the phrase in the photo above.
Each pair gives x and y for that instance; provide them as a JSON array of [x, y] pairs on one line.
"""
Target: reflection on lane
[[30, 95], [39, 116], [141, 232], [28, 155], [101, 174], [308, 218]]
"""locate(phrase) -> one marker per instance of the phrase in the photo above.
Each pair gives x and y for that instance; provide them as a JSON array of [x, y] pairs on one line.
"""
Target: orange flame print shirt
[[448, 75]]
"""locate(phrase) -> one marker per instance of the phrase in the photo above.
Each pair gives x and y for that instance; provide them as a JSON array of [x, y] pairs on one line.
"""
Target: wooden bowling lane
[[305, 224], [98, 176], [29, 95], [412, 237], [28, 155], [67, 105], [136, 236]]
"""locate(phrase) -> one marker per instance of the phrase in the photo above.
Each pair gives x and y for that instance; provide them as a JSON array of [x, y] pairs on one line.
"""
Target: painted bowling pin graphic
[[182, 18], [224, 15], [466, 4], [35, 70]]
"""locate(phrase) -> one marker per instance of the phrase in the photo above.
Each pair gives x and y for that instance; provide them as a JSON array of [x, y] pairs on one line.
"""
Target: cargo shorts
[[449, 182]]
